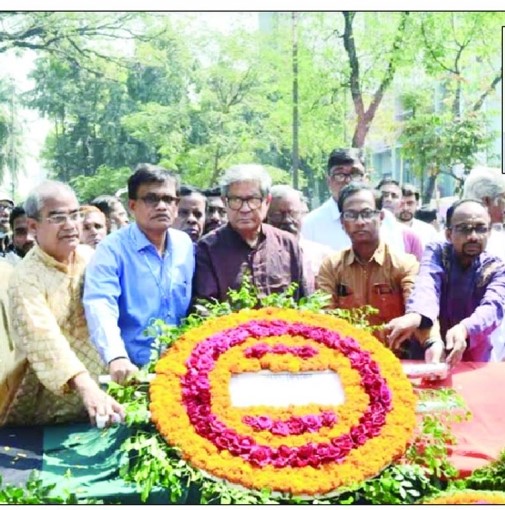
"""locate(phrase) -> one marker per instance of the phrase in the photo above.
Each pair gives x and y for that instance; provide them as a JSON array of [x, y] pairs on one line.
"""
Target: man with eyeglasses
[[54, 370], [286, 212], [245, 245], [322, 225], [461, 285], [139, 273], [369, 272]]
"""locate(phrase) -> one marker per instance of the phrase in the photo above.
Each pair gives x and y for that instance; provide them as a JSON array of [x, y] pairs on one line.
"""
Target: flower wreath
[[468, 497], [303, 450]]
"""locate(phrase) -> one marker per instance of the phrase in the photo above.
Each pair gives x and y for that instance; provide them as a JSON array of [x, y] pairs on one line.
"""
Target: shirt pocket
[[388, 300]]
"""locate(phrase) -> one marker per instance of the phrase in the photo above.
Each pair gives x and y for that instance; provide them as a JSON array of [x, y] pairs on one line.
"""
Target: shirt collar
[[378, 256], [140, 239]]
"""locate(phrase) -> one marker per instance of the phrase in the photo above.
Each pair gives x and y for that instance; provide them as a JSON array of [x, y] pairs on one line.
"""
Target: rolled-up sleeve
[[38, 334], [102, 289]]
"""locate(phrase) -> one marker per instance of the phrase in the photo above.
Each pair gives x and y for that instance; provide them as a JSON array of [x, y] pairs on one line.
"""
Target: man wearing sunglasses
[[139, 273], [461, 285], [245, 245]]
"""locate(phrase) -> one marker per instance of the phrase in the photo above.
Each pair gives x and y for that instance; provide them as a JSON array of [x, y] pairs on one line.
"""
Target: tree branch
[[478, 104]]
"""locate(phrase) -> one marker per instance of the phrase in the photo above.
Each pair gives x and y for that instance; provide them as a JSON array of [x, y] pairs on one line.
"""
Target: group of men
[[80, 306]]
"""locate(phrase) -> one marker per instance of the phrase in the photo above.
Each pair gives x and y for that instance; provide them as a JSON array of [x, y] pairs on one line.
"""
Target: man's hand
[[96, 401], [455, 341], [120, 369], [401, 328], [435, 353]]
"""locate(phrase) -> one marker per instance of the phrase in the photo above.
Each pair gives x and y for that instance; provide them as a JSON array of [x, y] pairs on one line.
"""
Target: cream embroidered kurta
[[51, 338]]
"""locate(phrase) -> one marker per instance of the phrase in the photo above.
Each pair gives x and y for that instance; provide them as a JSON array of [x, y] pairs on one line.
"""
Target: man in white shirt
[[488, 185], [406, 215], [322, 225]]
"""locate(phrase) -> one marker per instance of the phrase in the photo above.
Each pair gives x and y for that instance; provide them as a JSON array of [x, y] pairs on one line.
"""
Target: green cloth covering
[[85, 460]]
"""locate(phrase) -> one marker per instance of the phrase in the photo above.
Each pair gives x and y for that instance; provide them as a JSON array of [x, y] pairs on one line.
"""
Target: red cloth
[[481, 439]]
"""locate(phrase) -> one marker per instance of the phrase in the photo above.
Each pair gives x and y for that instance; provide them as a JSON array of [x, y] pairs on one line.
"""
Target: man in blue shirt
[[139, 273]]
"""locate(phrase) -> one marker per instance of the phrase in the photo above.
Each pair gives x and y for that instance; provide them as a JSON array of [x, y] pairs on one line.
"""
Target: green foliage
[[36, 492], [490, 477], [106, 181]]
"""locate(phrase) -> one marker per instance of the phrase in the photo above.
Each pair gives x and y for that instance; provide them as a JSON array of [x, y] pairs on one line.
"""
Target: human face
[[391, 197], [361, 230], [5, 210], [340, 175], [467, 242], [496, 208], [58, 226], [215, 215], [246, 217], [155, 206], [191, 215], [118, 217], [286, 213], [94, 229], [22, 238], [408, 207]]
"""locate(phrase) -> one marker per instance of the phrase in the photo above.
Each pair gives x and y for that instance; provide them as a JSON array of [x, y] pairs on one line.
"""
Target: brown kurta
[[222, 258]]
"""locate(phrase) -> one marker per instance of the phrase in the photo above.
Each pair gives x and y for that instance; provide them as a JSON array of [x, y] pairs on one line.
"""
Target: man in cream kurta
[[56, 365]]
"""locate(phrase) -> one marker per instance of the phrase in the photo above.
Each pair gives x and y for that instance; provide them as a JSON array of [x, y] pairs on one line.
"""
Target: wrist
[[81, 381], [116, 359], [432, 341]]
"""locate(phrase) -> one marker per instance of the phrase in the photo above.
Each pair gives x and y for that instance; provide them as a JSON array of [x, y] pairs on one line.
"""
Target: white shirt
[[322, 225], [426, 232], [313, 254]]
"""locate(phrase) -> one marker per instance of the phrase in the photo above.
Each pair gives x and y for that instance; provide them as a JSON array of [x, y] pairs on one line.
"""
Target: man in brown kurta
[[270, 256]]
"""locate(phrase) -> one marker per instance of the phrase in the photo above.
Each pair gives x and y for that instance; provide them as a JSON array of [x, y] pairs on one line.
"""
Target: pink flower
[[306, 352], [328, 418], [279, 428], [312, 423], [259, 455], [296, 426], [280, 349]]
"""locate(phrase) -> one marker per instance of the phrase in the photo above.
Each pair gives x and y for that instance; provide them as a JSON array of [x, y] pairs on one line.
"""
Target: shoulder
[[318, 213], [335, 260], [402, 261], [280, 236], [179, 238], [215, 237]]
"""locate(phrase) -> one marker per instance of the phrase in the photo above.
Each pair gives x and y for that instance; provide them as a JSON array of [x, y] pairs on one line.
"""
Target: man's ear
[[31, 225], [448, 233], [381, 214], [268, 199], [132, 204]]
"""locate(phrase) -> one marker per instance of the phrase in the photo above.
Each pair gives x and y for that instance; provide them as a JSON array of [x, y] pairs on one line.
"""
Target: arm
[[325, 280], [38, 335], [102, 289], [205, 284], [413, 244], [306, 277]]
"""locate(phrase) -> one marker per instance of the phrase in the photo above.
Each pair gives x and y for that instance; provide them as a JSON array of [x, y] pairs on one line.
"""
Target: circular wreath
[[300, 450], [468, 497]]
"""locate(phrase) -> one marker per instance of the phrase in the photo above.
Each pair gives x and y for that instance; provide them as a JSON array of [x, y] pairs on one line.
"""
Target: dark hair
[[346, 157], [388, 180], [16, 213], [105, 203], [212, 192], [351, 189], [452, 209], [146, 173], [426, 214], [409, 190], [186, 190]]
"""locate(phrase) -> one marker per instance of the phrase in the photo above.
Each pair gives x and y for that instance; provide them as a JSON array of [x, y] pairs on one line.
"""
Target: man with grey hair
[[488, 185], [286, 212], [245, 245], [54, 377]]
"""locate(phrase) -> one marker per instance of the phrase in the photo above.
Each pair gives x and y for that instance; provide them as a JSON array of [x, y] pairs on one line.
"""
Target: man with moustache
[[53, 370], [286, 212], [459, 284], [22, 238], [94, 225], [191, 213], [6, 205], [215, 212], [369, 272], [139, 273]]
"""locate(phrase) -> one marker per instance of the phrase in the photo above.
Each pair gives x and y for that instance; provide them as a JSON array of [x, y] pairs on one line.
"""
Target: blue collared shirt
[[128, 285]]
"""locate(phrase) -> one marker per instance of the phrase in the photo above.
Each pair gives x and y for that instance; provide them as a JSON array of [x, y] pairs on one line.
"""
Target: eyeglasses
[[366, 214], [280, 215], [236, 203], [355, 175], [61, 219], [468, 229], [5, 207], [152, 199]]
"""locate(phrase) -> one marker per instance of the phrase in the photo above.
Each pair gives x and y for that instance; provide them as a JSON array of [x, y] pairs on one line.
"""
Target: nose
[[191, 220]]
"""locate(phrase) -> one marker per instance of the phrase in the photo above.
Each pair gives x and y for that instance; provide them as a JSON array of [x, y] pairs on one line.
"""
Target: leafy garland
[[424, 471]]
